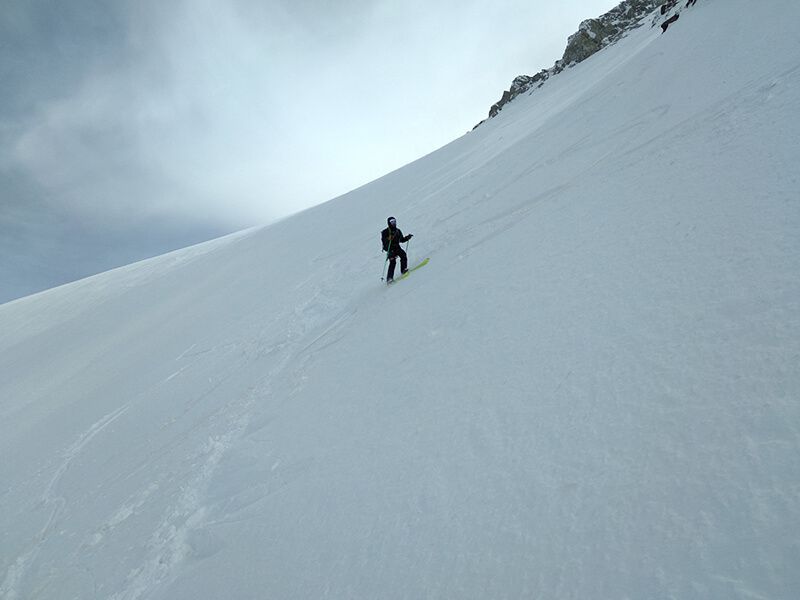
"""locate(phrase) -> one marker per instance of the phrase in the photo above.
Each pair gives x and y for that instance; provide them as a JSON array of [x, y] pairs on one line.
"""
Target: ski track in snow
[[51, 498], [171, 544]]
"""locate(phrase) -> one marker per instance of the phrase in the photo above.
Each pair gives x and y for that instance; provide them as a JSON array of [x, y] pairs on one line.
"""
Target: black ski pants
[[392, 261]]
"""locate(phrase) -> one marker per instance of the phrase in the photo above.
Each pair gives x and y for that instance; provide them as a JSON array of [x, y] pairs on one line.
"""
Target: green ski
[[407, 273]]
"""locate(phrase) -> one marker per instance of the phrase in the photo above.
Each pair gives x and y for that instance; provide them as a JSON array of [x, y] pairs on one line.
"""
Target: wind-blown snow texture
[[590, 392]]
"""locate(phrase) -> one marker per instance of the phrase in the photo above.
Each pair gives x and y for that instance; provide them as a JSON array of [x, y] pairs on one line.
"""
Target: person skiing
[[392, 237]]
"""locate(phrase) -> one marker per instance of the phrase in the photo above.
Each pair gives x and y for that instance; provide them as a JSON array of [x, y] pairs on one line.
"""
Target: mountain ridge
[[592, 36]]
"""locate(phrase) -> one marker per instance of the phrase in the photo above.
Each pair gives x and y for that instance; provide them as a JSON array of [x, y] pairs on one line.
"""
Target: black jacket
[[391, 239]]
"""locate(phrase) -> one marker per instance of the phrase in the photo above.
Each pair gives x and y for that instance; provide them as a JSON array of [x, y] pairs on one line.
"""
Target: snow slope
[[590, 392]]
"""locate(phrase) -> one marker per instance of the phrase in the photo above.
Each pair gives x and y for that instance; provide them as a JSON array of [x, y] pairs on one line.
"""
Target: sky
[[129, 128]]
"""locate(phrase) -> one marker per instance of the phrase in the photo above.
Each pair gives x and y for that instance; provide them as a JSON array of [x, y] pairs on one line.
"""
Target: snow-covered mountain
[[591, 391], [594, 35]]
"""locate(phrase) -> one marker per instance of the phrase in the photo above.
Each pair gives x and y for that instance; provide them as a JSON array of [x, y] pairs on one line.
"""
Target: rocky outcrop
[[592, 35], [520, 85]]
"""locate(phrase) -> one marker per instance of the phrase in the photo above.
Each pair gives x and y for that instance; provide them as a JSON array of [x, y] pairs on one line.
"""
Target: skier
[[392, 237]]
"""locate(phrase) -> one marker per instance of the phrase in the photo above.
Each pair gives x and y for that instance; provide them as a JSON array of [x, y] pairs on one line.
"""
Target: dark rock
[[668, 22]]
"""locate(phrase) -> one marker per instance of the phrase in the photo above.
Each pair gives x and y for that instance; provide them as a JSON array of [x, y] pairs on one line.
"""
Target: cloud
[[170, 127], [249, 110]]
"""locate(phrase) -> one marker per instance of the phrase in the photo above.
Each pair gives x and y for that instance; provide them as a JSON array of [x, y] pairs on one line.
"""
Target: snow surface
[[590, 392]]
